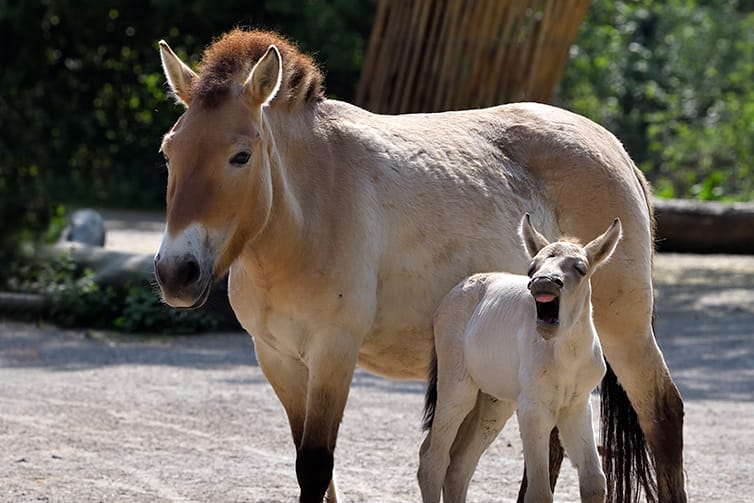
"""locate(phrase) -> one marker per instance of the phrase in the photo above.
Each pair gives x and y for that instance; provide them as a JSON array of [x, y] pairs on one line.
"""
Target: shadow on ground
[[705, 321], [23, 345]]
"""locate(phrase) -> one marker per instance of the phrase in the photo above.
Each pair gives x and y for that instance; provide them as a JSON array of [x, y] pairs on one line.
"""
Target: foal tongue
[[544, 297]]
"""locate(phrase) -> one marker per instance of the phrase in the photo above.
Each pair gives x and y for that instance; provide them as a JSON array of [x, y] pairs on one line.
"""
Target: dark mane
[[227, 62]]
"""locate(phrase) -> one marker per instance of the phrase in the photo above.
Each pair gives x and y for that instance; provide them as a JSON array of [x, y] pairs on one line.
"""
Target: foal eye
[[531, 271], [240, 158], [580, 268]]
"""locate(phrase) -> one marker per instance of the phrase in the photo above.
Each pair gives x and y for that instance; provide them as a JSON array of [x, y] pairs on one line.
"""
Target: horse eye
[[580, 268], [240, 158]]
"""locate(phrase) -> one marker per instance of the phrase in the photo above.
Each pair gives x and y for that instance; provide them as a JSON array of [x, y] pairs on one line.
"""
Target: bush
[[74, 299], [84, 101], [675, 81]]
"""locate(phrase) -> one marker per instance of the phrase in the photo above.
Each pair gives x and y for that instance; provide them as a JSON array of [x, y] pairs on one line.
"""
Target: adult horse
[[342, 230]]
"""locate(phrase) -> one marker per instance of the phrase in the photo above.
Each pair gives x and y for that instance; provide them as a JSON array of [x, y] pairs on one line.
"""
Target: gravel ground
[[89, 416]]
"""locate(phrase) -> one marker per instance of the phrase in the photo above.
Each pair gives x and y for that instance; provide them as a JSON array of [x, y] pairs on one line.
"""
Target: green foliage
[[84, 104], [675, 81], [74, 299], [143, 312]]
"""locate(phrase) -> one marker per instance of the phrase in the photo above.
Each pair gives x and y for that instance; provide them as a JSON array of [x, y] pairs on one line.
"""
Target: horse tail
[[629, 466], [430, 396], [626, 457]]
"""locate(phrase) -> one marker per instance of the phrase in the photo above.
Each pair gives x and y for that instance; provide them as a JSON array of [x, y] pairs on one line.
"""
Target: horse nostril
[[176, 276], [187, 272], [546, 279]]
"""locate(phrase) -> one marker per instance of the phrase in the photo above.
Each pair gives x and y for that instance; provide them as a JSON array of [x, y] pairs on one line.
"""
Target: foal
[[508, 342]]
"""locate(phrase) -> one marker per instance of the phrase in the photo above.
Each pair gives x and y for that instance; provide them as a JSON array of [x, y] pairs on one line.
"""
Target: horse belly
[[418, 270], [492, 349]]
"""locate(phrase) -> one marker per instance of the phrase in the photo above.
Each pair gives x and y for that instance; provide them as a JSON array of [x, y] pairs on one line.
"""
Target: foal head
[[221, 154], [560, 274]]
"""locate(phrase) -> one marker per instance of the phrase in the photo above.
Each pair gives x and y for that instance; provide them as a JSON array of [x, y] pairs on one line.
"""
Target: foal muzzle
[[546, 293]]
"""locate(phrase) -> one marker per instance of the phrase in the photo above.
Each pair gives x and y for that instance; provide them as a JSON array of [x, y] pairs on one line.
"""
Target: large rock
[[85, 226]]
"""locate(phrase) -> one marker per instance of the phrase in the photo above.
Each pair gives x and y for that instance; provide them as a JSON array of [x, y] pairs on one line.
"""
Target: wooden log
[[704, 227]]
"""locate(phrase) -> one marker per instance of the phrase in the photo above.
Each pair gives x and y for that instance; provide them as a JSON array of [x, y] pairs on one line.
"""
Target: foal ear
[[179, 75], [263, 81], [603, 246], [533, 240]]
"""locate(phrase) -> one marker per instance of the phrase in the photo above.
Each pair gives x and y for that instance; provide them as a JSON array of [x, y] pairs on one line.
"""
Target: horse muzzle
[[182, 280]]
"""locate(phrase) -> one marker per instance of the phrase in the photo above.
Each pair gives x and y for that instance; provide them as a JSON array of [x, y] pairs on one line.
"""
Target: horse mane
[[227, 62]]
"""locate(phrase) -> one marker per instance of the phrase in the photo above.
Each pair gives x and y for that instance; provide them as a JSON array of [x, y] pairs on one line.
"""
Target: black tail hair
[[430, 396], [626, 460]]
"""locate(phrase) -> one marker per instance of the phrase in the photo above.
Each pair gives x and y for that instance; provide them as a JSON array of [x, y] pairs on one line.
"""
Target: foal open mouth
[[548, 307]]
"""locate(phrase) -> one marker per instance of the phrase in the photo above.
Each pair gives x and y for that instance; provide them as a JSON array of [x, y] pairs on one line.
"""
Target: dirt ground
[[89, 417]]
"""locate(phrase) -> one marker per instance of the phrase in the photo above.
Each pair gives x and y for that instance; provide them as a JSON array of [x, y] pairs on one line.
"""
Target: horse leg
[[535, 422], [644, 377], [455, 400], [575, 425], [556, 460], [479, 429], [288, 377], [331, 361], [645, 394]]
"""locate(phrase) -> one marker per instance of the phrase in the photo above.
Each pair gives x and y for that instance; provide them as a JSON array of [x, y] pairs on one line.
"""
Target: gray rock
[[85, 226]]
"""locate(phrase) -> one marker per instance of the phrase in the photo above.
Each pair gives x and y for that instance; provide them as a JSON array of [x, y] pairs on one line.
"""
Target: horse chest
[[563, 377], [262, 311]]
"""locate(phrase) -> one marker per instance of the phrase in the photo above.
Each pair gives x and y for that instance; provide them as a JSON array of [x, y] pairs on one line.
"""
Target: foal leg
[[556, 460], [454, 402], [477, 432], [535, 422], [575, 425]]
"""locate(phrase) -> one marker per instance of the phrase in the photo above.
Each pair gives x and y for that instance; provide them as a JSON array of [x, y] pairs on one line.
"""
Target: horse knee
[[666, 427], [314, 468], [593, 488]]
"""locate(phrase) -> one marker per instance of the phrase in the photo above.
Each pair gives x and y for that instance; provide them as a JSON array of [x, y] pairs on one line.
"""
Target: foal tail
[[430, 396], [626, 454]]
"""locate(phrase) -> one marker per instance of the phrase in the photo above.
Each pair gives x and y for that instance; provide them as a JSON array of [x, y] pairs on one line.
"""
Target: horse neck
[[577, 331], [283, 238]]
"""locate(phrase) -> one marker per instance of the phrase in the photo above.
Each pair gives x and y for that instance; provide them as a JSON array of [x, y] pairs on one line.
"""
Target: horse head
[[221, 155]]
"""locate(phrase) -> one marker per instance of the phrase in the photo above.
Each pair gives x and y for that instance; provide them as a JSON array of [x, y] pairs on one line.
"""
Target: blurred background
[[83, 101]]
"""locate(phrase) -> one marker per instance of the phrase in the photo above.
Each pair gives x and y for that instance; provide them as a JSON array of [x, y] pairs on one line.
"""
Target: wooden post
[[436, 55]]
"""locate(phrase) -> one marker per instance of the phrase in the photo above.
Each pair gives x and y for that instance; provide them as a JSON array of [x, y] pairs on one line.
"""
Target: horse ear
[[533, 240], [263, 81], [179, 75], [603, 246]]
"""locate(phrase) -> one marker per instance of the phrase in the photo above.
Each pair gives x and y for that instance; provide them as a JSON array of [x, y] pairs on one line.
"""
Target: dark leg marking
[[314, 470]]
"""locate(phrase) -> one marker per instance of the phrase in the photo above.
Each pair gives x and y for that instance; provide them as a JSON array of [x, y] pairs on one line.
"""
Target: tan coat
[[342, 230]]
